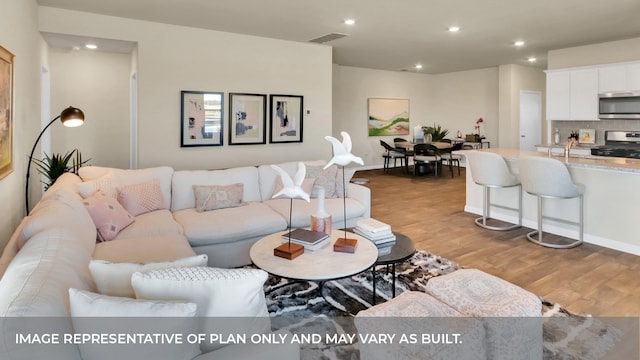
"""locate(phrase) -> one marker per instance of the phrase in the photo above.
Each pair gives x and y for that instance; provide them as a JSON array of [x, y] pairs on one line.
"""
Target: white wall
[[174, 58], [353, 86], [19, 34], [460, 98], [602, 53], [98, 83], [513, 79]]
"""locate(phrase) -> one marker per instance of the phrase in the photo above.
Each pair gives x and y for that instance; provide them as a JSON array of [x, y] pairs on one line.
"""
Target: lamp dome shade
[[72, 117]]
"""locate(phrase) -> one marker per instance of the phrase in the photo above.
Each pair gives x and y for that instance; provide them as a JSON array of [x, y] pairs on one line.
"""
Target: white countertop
[[576, 160]]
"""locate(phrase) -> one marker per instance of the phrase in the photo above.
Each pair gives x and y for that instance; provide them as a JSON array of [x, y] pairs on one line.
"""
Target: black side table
[[402, 250]]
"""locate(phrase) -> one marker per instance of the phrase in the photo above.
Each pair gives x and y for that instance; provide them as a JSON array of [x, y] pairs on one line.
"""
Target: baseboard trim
[[561, 231]]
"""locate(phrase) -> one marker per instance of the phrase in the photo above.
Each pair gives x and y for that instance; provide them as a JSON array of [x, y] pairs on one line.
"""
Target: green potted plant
[[52, 167], [436, 131]]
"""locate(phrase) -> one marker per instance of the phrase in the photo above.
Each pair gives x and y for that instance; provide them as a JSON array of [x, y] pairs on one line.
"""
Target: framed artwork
[[388, 117], [6, 112], [201, 121], [587, 136], [247, 119], [286, 119]]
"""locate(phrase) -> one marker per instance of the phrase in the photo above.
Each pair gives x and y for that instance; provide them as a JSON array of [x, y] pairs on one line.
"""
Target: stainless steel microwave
[[619, 105]]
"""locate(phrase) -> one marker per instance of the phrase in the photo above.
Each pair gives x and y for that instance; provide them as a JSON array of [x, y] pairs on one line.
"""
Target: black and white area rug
[[309, 307]]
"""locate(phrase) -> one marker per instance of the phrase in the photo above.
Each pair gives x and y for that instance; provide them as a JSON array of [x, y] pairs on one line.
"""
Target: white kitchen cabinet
[[619, 78], [558, 95], [572, 94], [584, 95], [612, 79]]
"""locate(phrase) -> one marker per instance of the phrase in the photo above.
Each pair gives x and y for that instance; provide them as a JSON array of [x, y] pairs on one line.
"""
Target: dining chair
[[450, 158], [426, 154], [393, 153]]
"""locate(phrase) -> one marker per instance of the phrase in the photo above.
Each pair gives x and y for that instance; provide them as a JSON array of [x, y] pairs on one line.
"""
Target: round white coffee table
[[321, 265]]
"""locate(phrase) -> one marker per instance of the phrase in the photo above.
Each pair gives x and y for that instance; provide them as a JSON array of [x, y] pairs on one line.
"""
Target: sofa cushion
[[144, 249], [155, 223], [227, 293], [141, 198], [95, 314], [114, 278], [54, 258], [302, 210], [183, 181], [109, 217], [108, 179], [268, 175], [231, 224], [212, 197]]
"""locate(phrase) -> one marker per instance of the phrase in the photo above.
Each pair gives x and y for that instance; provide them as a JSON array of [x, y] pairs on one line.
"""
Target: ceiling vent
[[326, 38]]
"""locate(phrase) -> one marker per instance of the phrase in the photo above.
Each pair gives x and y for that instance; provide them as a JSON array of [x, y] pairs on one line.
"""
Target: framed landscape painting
[[247, 119], [6, 112], [388, 117], [201, 121], [286, 119]]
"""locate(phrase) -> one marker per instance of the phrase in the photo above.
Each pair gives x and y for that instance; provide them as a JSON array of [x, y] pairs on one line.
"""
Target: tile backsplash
[[565, 127]]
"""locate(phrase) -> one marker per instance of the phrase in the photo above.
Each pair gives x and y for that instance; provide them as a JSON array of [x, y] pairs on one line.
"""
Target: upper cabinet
[[584, 95], [558, 95], [619, 78], [633, 71], [572, 94]]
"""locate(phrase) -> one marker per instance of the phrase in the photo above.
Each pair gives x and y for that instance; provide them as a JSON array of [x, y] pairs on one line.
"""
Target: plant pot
[[472, 138]]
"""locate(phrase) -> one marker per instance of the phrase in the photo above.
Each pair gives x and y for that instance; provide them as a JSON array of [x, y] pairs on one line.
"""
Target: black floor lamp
[[70, 117]]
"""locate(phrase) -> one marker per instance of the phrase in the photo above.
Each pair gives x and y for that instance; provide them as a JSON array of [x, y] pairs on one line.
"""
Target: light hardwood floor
[[587, 279]]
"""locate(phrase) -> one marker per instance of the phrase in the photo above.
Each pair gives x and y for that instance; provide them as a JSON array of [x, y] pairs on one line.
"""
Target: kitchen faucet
[[571, 142]]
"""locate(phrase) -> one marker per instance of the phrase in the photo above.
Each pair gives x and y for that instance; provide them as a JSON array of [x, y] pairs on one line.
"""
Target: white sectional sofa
[[50, 251]]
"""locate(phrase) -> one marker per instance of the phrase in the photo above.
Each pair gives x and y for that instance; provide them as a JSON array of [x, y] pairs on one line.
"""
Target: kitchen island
[[611, 200]]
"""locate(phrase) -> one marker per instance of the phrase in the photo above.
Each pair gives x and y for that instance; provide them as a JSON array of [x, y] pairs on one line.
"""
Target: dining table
[[407, 148]]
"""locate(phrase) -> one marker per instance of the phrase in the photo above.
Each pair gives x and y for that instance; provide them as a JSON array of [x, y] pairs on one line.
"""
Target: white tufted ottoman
[[512, 316], [419, 313]]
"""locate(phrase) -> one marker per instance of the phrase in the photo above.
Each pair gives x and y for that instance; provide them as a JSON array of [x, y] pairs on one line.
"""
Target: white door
[[530, 119]]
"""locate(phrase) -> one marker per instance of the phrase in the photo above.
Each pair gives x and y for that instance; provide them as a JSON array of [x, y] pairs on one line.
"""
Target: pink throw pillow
[[107, 214], [141, 198]]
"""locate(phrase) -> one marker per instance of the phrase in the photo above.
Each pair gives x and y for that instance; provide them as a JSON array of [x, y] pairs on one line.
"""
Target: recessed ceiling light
[[519, 43], [532, 59], [418, 66], [349, 22], [75, 48], [91, 46], [454, 28]]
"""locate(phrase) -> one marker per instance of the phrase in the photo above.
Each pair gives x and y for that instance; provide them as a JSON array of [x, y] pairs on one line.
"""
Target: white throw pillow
[[115, 278], [100, 314], [234, 297]]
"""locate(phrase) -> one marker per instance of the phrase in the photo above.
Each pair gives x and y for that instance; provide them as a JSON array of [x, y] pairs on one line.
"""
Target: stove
[[619, 144]]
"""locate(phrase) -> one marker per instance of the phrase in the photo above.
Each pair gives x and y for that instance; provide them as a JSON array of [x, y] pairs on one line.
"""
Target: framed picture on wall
[[286, 118], [201, 120], [6, 112], [388, 117], [247, 119]]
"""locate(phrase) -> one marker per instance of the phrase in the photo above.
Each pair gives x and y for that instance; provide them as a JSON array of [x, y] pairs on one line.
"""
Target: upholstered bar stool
[[549, 178], [490, 170]]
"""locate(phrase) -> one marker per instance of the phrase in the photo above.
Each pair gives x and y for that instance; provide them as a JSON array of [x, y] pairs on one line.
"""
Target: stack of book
[[377, 232], [311, 240]]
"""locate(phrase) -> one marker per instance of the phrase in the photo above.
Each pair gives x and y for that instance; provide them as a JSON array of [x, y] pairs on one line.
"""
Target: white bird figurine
[[342, 151], [292, 188]]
